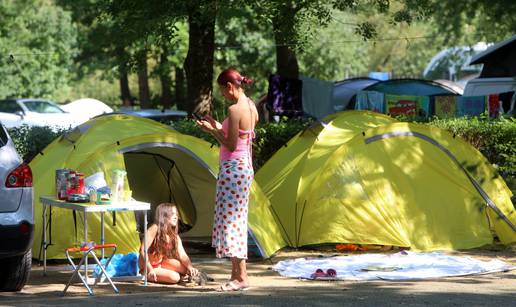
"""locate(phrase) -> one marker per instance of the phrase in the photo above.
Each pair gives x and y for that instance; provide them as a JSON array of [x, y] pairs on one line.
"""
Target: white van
[[486, 86]]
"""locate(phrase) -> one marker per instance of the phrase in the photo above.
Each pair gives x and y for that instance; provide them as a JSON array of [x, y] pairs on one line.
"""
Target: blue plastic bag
[[120, 265]]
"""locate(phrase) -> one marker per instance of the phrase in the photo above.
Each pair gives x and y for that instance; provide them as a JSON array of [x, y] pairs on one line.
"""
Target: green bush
[[29, 141], [495, 139], [269, 136]]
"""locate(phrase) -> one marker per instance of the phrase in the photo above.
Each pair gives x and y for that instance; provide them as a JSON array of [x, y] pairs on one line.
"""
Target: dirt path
[[268, 288]]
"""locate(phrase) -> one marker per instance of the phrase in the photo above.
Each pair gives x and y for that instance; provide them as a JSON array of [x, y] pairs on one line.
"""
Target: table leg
[[44, 240], [85, 222], [102, 233], [145, 246]]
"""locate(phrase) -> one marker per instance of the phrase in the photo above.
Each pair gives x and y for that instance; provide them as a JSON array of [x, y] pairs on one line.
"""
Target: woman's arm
[[230, 140], [184, 259], [151, 234]]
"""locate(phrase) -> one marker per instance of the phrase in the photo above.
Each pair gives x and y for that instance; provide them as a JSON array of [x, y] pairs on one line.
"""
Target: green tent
[[162, 165], [366, 179]]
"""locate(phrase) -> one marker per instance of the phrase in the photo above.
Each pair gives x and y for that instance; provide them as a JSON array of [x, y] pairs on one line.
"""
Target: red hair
[[232, 75]]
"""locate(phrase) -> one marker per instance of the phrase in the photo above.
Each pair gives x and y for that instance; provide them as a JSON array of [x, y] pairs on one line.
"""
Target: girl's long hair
[[160, 246]]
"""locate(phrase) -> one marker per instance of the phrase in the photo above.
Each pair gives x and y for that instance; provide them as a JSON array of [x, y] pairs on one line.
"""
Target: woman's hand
[[151, 275], [205, 125], [193, 271], [213, 122]]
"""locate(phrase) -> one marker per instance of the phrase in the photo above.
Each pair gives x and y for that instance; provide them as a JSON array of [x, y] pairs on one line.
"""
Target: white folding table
[[133, 205]]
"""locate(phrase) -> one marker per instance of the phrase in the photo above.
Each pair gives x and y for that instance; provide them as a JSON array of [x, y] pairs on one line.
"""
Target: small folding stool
[[86, 251]]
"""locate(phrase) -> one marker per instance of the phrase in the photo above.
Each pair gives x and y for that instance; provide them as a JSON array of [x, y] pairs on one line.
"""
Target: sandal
[[232, 286], [318, 274]]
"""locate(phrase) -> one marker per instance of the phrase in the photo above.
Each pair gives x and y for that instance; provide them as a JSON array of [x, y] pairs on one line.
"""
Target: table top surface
[[132, 205]]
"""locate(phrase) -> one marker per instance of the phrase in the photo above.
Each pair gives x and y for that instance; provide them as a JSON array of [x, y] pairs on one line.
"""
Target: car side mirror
[[21, 114]]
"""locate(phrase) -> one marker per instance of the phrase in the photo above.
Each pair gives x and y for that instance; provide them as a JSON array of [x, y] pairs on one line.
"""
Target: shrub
[[269, 136], [29, 141], [495, 139]]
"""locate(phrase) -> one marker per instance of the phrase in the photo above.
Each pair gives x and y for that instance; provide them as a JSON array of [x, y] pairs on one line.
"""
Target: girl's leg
[[174, 265], [165, 276]]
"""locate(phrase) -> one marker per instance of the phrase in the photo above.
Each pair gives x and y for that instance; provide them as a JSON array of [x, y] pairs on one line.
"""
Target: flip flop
[[331, 273], [319, 273], [232, 286]]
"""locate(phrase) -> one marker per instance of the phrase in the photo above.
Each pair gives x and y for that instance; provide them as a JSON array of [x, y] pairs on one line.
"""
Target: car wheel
[[14, 272]]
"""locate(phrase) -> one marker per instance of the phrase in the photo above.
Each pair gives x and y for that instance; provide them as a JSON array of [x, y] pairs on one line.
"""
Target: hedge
[[496, 139]]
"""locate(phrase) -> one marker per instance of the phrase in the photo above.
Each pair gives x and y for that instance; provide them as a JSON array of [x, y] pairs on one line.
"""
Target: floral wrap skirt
[[229, 236]]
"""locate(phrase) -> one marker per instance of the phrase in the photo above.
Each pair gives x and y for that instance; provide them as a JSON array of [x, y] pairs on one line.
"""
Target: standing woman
[[236, 174]]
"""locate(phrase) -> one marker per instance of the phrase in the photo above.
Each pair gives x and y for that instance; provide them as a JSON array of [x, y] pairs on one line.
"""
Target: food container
[[78, 198], [71, 183], [117, 185], [61, 179], [80, 183]]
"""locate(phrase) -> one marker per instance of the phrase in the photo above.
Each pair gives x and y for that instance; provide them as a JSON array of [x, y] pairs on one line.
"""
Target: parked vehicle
[[486, 86], [155, 114], [16, 216], [37, 112]]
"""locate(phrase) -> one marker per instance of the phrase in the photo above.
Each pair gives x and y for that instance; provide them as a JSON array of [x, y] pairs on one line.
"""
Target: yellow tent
[[394, 184], [286, 176], [161, 164]]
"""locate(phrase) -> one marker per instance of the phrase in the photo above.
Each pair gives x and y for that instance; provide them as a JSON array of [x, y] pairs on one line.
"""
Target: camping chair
[[90, 250]]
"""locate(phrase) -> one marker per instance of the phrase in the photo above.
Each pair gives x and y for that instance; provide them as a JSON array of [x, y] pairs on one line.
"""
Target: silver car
[[16, 216]]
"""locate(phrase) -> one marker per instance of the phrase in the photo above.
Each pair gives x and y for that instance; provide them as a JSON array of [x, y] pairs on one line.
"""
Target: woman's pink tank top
[[243, 147]]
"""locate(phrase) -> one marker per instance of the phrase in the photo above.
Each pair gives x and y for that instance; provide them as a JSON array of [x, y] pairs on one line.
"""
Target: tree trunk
[[125, 93], [284, 34], [199, 60], [166, 81], [180, 88], [143, 81]]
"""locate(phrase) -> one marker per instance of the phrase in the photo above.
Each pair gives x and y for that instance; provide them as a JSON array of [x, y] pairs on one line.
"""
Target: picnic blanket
[[400, 266]]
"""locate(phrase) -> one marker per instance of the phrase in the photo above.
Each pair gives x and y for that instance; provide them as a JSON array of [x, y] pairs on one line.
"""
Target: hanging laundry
[[471, 105], [370, 100], [423, 106], [317, 97], [362, 101], [506, 99], [401, 105], [493, 106], [284, 96], [445, 106]]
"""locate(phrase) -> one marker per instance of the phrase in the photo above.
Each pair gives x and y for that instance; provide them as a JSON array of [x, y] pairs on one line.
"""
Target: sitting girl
[[167, 261]]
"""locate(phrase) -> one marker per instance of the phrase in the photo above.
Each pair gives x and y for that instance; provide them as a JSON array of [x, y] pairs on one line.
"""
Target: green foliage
[[272, 136], [37, 45], [246, 43], [29, 141], [269, 137], [472, 21], [495, 139], [336, 53]]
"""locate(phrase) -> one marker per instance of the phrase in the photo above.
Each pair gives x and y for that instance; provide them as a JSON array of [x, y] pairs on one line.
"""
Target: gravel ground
[[270, 289]]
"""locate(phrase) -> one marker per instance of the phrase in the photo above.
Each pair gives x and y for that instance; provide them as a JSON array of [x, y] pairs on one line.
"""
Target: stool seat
[[86, 248], [87, 251]]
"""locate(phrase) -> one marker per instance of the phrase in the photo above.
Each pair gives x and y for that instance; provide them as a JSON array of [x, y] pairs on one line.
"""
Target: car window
[[9, 106], [40, 106], [3, 136]]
